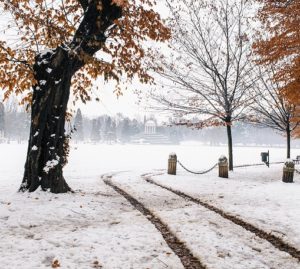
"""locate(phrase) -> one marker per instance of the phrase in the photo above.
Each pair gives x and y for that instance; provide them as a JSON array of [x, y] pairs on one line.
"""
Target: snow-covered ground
[[97, 227]]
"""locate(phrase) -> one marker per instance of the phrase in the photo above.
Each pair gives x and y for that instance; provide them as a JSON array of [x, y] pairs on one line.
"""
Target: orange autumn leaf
[[48, 24]]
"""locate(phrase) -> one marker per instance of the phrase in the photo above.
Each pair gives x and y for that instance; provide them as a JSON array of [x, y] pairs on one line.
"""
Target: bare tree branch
[[210, 65]]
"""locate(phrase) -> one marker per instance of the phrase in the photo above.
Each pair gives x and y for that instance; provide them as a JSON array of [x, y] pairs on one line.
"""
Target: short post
[[288, 172], [223, 167], [172, 163]]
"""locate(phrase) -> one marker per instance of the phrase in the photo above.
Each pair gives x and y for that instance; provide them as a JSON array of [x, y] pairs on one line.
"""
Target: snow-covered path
[[83, 230], [217, 242], [255, 194], [96, 226]]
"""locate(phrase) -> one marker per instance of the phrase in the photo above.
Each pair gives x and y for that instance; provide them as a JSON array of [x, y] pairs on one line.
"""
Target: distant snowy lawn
[[97, 225]]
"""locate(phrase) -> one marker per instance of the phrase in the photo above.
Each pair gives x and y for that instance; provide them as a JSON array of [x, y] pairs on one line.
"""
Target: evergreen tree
[[125, 133], [95, 133], [78, 124], [2, 122]]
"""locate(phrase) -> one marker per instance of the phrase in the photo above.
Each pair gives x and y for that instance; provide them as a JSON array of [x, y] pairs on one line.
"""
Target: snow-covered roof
[[150, 123]]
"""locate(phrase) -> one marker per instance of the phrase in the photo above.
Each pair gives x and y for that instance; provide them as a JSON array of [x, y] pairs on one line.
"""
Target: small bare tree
[[272, 110], [209, 71]]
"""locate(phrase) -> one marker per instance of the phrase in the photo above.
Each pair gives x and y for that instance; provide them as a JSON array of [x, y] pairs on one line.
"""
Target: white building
[[150, 127]]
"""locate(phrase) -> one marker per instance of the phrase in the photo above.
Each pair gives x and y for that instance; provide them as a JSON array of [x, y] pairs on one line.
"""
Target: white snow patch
[[49, 70], [34, 148], [51, 164], [43, 82], [45, 52]]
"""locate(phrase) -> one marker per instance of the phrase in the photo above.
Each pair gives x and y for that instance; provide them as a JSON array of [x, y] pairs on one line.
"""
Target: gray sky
[[111, 104]]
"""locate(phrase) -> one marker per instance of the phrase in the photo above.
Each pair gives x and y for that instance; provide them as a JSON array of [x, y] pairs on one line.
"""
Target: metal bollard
[[288, 172], [223, 167], [172, 163]]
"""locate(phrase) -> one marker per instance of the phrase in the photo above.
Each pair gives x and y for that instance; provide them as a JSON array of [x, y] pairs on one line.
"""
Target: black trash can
[[265, 158]]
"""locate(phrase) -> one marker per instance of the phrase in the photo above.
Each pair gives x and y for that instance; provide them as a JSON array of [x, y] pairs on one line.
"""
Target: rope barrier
[[248, 165], [197, 173], [256, 164], [237, 166]]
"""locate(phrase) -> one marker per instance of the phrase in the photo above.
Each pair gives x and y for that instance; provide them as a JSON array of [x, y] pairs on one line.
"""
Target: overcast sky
[[111, 104]]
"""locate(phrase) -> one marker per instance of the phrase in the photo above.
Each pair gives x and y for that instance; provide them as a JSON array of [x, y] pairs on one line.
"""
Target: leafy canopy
[[47, 24], [280, 47]]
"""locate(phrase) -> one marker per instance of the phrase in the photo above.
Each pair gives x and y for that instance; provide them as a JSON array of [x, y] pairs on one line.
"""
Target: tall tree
[[2, 117], [279, 43], [64, 45], [272, 110], [78, 124], [95, 132], [209, 73]]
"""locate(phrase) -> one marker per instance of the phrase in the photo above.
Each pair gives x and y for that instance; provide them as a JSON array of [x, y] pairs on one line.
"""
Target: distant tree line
[[15, 123], [105, 128], [121, 128]]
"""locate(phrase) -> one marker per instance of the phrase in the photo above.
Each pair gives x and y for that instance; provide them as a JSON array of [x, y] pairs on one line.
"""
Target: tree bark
[[46, 153], [230, 150], [288, 143], [48, 144]]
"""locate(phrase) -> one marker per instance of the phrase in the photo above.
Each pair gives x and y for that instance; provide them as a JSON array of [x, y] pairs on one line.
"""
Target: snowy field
[[98, 228]]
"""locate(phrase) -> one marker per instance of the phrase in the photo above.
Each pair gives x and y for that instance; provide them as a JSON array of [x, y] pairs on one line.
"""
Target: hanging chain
[[297, 171], [255, 164], [197, 173], [237, 166]]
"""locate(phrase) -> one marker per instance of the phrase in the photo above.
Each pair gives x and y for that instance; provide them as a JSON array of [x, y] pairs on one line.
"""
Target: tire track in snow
[[188, 260], [272, 239]]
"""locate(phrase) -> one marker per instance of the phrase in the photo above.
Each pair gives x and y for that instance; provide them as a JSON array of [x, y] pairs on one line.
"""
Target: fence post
[[288, 172], [172, 163], [223, 167]]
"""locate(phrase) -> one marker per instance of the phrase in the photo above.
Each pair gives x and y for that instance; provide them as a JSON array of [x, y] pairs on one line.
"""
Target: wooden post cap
[[172, 155], [289, 164], [223, 160]]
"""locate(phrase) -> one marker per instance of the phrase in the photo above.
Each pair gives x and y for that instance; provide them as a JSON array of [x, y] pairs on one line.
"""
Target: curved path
[[274, 240], [185, 255], [211, 237]]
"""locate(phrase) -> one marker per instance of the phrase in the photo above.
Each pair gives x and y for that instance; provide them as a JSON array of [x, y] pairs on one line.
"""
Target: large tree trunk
[[230, 150], [46, 154], [48, 143], [288, 143]]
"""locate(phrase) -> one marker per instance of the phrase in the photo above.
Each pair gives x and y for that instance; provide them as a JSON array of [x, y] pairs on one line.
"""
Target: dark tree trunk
[[46, 154], [230, 150], [288, 143], [48, 143]]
